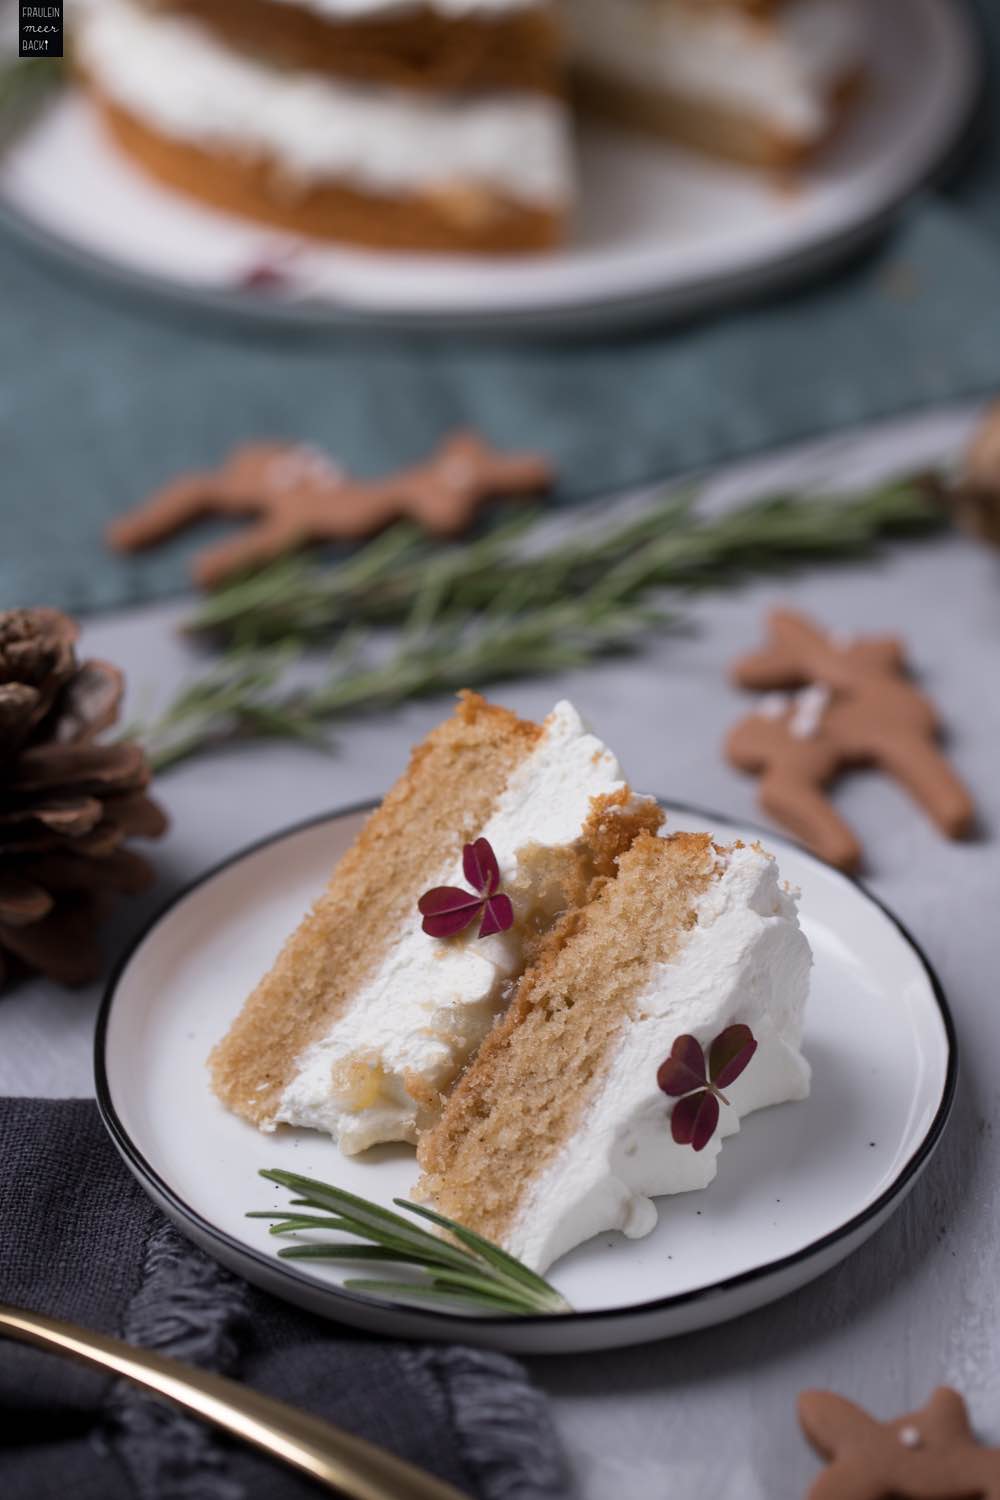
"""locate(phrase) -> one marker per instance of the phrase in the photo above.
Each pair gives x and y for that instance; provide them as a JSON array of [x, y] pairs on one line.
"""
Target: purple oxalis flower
[[448, 909], [697, 1086]]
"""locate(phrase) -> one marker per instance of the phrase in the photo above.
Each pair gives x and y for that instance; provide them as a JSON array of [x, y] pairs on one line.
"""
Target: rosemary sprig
[[538, 559], [243, 695], [472, 1273], [537, 594]]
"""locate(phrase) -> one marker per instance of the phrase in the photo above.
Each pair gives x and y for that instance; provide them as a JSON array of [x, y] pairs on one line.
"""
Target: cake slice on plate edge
[[364, 1021], [561, 1127]]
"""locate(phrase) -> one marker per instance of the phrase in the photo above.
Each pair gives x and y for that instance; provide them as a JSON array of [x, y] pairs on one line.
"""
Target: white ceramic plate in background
[[661, 231], [798, 1188]]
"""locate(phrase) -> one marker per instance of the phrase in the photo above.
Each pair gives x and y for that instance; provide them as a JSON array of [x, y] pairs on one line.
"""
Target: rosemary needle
[[463, 1270]]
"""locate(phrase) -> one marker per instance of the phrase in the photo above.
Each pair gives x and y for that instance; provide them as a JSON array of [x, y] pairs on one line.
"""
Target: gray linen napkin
[[79, 1239]]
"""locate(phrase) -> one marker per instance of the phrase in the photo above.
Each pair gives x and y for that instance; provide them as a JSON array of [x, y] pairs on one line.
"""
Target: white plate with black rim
[[660, 231], [800, 1187]]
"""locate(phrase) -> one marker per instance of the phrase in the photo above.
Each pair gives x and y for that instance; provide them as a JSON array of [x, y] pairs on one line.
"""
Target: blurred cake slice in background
[[764, 82], [436, 125], [445, 125]]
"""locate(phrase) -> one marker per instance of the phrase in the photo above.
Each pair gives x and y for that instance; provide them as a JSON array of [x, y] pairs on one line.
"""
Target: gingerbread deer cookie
[[297, 494], [928, 1455], [834, 705]]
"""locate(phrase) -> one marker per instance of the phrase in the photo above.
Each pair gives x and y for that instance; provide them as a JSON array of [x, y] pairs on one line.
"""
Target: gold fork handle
[[337, 1459]]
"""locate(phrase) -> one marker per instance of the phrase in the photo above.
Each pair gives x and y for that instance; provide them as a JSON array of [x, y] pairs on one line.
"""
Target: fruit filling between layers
[[365, 1020], [559, 1129]]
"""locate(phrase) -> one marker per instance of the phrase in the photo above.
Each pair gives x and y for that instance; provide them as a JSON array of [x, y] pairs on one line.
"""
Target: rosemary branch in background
[[540, 558], [539, 593], [244, 694], [473, 1274]]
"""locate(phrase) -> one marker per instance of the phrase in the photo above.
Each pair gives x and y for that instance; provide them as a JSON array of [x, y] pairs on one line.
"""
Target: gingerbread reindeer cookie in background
[[833, 705], [929, 1455], [297, 494]]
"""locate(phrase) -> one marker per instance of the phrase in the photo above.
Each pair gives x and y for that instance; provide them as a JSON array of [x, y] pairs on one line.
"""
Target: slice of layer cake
[[759, 81], [365, 1020], [436, 126], [561, 1128], [442, 125]]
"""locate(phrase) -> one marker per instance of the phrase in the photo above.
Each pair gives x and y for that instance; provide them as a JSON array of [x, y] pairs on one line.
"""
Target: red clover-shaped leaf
[[447, 909], [481, 868], [684, 1069], [694, 1119], [684, 1077], [729, 1055], [498, 915]]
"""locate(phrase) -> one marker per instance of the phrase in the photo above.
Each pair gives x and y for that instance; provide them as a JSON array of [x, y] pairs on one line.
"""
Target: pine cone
[[67, 803]]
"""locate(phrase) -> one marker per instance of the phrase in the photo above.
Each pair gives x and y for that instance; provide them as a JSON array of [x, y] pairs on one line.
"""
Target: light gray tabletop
[[712, 1413]]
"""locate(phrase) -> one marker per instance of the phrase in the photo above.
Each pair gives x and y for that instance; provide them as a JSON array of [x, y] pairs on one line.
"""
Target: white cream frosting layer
[[430, 1002], [780, 69], [746, 960], [173, 75]]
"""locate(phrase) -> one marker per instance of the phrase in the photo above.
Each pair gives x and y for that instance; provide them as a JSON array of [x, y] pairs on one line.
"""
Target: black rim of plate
[[148, 1175]]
